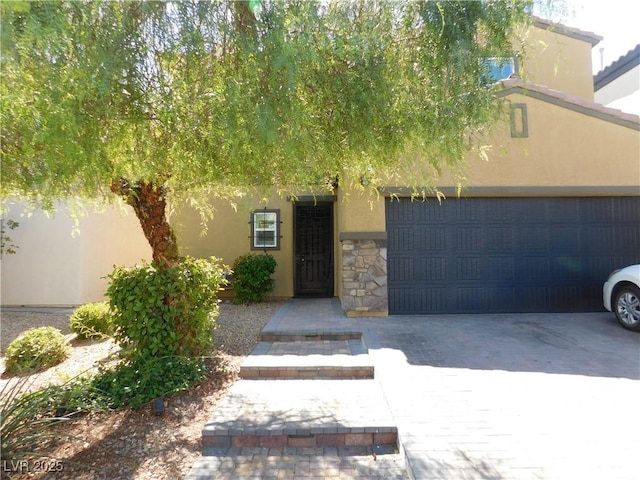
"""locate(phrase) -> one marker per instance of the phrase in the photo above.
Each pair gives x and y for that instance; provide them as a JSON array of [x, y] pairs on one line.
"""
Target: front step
[[317, 356], [308, 336], [301, 413]]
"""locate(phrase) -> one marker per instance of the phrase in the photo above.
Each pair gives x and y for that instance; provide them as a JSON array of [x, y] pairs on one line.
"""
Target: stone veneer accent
[[364, 273]]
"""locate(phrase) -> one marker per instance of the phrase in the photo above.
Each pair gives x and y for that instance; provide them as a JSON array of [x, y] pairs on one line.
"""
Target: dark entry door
[[313, 250]]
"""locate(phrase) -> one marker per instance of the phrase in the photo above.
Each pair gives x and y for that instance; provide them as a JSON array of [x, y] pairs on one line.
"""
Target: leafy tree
[[158, 102]]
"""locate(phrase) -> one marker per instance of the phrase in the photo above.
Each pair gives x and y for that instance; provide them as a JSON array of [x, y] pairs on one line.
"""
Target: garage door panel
[[501, 212], [470, 238], [469, 268], [627, 238], [499, 238], [507, 254], [402, 270], [568, 270], [532, 269], [501, 270], [626, 209], [431, 240], [401, 239], [565, 239], [533, 238], [599, 238], [433, 269]]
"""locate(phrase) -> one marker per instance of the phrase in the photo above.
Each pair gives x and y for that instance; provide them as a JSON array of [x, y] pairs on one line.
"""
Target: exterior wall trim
[[312, 198], [529, 191], [362, 236], [591, 109]]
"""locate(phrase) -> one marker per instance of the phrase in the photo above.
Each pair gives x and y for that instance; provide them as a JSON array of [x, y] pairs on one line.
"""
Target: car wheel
[[627, 307]]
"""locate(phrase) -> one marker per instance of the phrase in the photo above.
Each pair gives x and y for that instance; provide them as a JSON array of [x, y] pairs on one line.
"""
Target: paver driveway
[[526, 396]]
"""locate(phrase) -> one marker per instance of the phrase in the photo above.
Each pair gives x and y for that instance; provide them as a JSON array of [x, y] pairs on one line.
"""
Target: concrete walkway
[[523, 396]]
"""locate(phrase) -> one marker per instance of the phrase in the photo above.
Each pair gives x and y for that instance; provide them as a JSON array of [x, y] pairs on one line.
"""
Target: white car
[[621, 295]]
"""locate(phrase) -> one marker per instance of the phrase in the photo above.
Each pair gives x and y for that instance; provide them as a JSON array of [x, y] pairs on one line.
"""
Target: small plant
[[252, 277], [92, 320], [28, 420], [35, 350]]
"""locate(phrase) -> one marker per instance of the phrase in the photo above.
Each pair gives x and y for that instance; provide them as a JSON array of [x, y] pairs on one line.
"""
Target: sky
[[618, 21]]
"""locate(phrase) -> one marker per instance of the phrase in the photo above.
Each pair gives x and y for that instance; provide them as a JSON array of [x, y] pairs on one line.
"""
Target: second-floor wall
[[557, 57]]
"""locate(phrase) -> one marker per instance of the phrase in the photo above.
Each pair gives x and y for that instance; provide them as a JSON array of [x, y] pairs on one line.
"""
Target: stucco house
[[536, 228]]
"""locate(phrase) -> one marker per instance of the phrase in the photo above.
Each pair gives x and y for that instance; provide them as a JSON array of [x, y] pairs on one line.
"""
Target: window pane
[[498, 68], [265, 221], [265, 239], [265, 229]]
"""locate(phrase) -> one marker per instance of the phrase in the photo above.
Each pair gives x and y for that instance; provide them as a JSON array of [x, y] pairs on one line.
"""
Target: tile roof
[[618, 68], [572, 102]]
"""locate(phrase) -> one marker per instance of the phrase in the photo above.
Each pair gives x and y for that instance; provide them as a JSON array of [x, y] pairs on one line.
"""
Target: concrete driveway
[[523, 396]]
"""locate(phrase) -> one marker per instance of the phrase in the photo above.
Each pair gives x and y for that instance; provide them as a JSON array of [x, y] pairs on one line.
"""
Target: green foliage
[[35, 350], [92, 320], [162, 311], [252, 277], [6, 242], [28, 420], [280, 96], [133, 383]]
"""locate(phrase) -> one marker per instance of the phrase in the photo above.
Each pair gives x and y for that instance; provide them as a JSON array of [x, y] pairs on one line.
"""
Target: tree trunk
[[149, 203]]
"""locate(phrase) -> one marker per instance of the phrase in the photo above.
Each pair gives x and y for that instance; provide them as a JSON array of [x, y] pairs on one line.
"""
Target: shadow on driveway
[[590, 344]]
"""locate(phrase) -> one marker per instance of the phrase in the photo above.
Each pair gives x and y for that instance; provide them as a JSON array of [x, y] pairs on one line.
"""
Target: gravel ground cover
[[136, 444]]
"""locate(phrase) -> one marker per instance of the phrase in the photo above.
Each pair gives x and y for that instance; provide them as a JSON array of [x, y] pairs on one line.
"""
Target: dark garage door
[[502, 255]]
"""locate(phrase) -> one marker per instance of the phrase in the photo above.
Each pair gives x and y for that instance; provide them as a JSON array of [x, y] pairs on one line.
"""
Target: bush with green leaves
[[252, 277], [37, 349], [135, 382], [92, 320], [161, 311]]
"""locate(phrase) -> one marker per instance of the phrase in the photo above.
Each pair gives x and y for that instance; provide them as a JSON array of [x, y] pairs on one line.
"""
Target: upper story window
[[265, 229], [498, 68]]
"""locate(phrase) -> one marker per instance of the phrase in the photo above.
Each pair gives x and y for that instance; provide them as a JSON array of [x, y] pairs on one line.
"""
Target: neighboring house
[[537, 228], [618, 85]]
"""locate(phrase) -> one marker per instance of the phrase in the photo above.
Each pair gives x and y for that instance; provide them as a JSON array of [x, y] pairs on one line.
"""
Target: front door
[[313, 250]]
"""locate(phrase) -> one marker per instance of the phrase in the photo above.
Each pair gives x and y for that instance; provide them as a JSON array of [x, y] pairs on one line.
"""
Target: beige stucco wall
[[564, 148], [360, 210], [566, 153], [557, 61], [228, 235], [54, 267]]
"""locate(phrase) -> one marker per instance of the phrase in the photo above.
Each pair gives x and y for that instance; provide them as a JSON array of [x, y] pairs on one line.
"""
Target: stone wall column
[[364, 273]]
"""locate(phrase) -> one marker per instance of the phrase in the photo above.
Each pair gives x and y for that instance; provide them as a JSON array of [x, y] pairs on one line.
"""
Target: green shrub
[[252, 277], [92, 320], [165, 311], [133, 383], [35, 350]]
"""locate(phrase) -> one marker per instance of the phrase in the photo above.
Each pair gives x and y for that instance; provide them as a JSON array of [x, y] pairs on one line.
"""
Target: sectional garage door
[[501, 255]]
